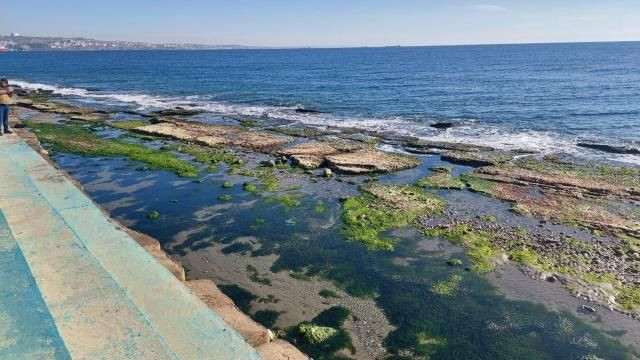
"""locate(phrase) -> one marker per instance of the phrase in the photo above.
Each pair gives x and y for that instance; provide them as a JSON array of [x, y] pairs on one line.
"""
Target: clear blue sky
[[327, 22]]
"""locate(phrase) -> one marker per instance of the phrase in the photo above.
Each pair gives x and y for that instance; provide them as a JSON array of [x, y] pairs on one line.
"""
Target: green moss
[[454, 262], [481, 186], [447, 287], [251, 188], [80, 140], [320, 208], [490, 218], [288, 200], [629, 298], [300, 276], [442, 169], [153, 215], [367, 216], [478, 244], [525, 257], [128, 124], [440, 180], [248, 123], [209, 156], [269, 299], [225, 197], [326, 293], [315, 334], [227, 185]]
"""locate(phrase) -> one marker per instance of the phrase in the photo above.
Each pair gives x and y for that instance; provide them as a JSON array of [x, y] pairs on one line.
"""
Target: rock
[[437, 147], [215, 135], [454, 262], [178, 111], [349, 157], [95, 117], [269, 163], [587, 308], [327, 173], [615, 149], [442, 125], [307, 111], [477, 159]]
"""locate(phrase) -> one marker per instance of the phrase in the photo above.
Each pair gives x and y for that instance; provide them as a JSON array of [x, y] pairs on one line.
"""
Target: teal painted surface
[[94, 276], [27, 329]]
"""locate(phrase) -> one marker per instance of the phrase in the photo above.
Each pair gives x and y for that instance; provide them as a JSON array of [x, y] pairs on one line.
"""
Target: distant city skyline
[[331, 23]]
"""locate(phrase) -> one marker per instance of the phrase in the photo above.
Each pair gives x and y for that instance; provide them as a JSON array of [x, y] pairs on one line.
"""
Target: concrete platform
[[76, 286]]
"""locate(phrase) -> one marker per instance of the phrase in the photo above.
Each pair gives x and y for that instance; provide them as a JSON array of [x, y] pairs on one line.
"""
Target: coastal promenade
[[76, 285]]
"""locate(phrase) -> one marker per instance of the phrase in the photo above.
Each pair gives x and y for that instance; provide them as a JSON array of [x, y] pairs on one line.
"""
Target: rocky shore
[[601, 267]]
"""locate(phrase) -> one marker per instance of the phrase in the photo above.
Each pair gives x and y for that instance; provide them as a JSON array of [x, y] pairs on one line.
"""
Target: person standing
[[6, 92]]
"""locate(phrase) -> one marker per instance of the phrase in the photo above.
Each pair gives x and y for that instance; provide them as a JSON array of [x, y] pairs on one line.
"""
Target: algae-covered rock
[[348, 157], [437, 147], [315, 334], [440, 180], [479, 158], [215, 135], [382, 208]]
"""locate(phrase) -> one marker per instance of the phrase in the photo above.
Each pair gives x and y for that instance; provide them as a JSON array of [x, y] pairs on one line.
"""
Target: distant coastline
[[17, 42]]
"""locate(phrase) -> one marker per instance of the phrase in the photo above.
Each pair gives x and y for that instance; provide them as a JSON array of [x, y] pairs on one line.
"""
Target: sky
[[327, 23]]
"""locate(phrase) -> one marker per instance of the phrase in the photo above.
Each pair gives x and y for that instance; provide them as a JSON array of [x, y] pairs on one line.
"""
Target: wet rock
[[437, 147], [349, 157], [95, 117], [178, 111], [215, 135], [477, 159], [327, 173], [586, 308], [269, 163], [307, 111], [615, 149], [443, 125]]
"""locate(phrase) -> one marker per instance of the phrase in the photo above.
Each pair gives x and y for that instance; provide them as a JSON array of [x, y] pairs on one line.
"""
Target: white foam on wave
[[472, 131]]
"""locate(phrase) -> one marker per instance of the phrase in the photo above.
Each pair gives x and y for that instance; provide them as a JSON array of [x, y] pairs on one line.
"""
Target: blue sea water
[[540, 96]]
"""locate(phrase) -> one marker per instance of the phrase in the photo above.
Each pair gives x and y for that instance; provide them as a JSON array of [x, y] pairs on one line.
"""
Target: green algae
[[225, 197], [319, 208], [227, 185], [628, 298], [254, 275], [209, 156], [447, 287], [441, 181], [80, 140], [454, 262], [442, 169], [382, 208], [480, 186], [288, 200], [251, 188], [315, 334], [153, 215], [327, 293], [128, 124], [478, 244], [323, 336]]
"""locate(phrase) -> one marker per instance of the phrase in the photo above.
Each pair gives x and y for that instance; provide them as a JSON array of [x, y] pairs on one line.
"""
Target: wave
[[469, 129]]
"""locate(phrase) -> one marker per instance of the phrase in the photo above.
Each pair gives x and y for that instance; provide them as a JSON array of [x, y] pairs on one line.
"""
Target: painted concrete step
[[108, 297]]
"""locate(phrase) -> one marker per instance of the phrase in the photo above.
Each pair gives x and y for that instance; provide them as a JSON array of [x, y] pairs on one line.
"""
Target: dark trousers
[[4, 118]]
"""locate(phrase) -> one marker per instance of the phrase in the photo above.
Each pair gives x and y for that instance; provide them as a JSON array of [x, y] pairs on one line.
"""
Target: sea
[[543, 97]]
